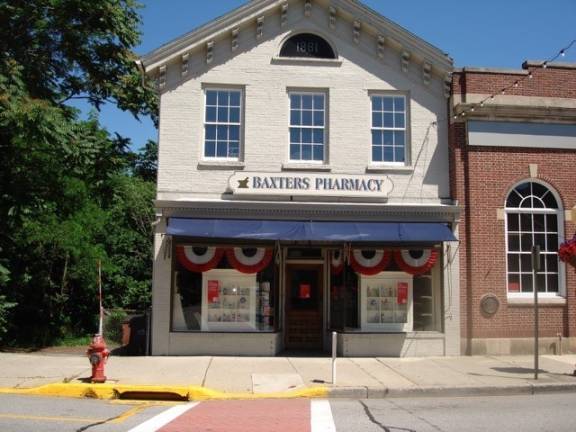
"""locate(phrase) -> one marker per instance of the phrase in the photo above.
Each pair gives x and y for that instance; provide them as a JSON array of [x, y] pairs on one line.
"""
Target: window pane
[[307, 135], [399, 154], [389, 154], [307, 118], [537, 202], [223, 115], [295, 152], [513, 263], [295, 118], [399, 104], [552, 263], [377, 137], [318, 136], [295, 101], [319, 102], [552, 223], [376, 119], [388, 138], [377, 154], [388, 104], [388, 120], [541, 282], [210, 132], [234, 115], [552, 283], [399, 121], [539, 223], [513, 222], [552, 241], [306, 152], [235, 99], [513, 283], [234, 149], [211, 97], [223, 97], [318, 153], [376, 103], [222, 133], [539, 190], [294, 135], [513, 200], [526, 281], [318, 118], [513, 242], [526, 202], [399, 138], [222, 149], [540, 239], [526, 222], [525, 263], [307, 102], [210, 114], [523, 189], [210, 149], [526, 242], [234, 133], [550, 201]]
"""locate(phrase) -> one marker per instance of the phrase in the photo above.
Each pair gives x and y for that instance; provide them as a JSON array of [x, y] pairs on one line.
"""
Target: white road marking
[[321, 416], [164, 418]]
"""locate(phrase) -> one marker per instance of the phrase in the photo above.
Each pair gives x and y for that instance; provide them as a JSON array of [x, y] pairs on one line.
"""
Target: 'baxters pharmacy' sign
[[335, 185]]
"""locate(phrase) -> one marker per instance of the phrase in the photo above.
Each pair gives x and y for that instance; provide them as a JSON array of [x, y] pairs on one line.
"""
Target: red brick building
[[513, 172]]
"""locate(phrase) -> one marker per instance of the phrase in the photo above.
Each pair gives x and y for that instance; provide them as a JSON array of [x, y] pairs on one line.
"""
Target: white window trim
[[559, 212], [294, 162], [208, 159], [375, 165]]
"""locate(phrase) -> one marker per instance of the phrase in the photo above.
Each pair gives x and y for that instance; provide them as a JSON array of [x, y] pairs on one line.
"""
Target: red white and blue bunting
[[189, 257], [416, 261], [336, 261], [249, 264], [369, 266]]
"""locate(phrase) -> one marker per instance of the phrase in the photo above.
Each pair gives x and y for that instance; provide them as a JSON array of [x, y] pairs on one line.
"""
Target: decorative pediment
[[366, 28]]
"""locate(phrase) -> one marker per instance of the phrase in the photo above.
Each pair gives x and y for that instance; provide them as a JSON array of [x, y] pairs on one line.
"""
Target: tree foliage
[[70, 192]]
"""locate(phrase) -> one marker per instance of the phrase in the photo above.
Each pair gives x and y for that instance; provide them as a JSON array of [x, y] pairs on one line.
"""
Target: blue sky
[[486, 33]]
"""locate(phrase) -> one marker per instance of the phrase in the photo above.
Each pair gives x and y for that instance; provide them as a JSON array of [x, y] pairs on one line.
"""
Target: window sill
[[306, 167], [306, 61], [389, 168], [220, 165], [542, 301]]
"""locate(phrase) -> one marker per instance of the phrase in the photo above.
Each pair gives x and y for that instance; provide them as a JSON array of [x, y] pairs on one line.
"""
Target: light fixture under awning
[[320, 231]]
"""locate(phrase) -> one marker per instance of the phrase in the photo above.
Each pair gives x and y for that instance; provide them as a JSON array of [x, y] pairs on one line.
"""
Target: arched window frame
[[522, 253], [336, 60]]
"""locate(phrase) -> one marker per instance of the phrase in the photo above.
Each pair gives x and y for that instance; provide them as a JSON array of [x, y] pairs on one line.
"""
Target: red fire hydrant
[[98, 355]]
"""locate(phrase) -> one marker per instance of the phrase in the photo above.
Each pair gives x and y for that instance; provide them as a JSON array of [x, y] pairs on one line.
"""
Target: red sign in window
[[304, 291], [513, 287], [402, 296], [213, 291]]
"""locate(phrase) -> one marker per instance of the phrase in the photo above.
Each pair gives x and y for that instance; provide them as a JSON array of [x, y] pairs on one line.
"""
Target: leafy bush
[[5, 307]]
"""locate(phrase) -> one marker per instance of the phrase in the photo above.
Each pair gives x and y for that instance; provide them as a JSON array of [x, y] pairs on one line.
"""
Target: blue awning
[[320, 231]]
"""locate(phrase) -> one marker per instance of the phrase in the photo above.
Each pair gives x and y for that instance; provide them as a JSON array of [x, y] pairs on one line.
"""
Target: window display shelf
[[386, 302]]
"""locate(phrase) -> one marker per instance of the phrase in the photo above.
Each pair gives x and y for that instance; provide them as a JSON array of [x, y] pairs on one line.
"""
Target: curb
[[197, 393], [182, 393]]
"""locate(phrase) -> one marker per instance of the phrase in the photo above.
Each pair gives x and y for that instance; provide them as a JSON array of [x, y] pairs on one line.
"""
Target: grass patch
[[71, 341]]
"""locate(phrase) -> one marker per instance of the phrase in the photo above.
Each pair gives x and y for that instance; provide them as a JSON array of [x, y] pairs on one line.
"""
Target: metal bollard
[[334, 351]]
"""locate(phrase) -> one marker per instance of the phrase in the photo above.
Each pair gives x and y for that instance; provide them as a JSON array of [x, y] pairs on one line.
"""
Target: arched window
[[307, 45], [533, 217]]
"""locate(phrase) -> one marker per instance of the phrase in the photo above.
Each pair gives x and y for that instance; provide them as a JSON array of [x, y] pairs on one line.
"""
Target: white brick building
[[293, 133]]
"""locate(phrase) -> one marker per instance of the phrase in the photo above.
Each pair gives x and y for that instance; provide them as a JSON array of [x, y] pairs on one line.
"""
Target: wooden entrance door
[[304, 287]]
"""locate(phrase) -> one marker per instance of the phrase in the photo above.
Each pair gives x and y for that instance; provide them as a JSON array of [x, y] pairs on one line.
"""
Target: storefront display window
[[237, 295], [388, 299]]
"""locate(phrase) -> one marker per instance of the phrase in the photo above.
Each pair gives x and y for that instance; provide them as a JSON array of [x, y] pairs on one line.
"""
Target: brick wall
[[481, 178]]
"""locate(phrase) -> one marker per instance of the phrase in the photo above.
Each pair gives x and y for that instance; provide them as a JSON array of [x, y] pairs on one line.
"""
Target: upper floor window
[[388, 128], [307, 126], [307, 45], [223, 124], [533, 217]]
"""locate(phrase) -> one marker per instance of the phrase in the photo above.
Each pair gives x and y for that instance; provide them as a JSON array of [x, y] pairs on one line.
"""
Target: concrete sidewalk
[[259, 377]]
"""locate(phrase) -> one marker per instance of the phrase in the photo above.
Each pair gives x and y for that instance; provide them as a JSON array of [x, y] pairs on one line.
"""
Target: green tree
[[69, 193]]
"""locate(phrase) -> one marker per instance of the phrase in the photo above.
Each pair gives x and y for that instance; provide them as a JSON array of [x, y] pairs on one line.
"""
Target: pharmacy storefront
[[285, 276]]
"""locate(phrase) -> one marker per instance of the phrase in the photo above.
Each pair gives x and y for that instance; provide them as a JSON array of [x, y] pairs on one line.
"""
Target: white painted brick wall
[[266, 140]]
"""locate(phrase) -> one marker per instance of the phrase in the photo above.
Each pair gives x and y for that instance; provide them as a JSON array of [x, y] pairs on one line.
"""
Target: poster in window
[[304, 291], [213, 291], [513, 287], [402, 293]]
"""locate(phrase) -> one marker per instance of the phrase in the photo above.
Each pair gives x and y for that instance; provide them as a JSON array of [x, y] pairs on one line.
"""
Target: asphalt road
[[511, 413]]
